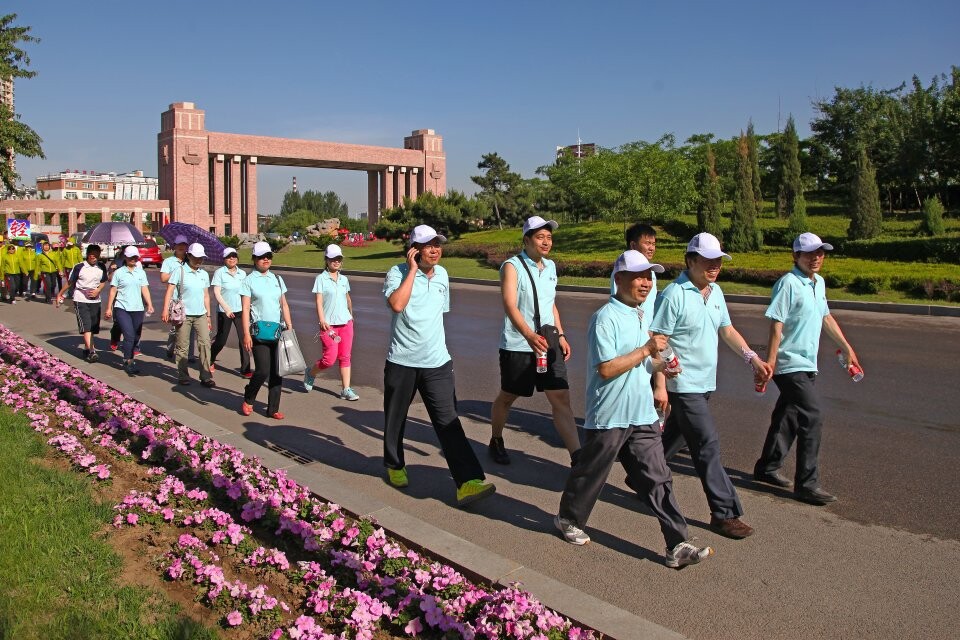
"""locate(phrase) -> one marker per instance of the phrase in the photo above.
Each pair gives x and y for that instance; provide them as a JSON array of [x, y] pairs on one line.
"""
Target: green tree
[[866, 221], [790, 182], [798, 216], [16, 138], [708, 212], [497, 188], [932, 224], [744, 234], [754, 167], [450, 215]]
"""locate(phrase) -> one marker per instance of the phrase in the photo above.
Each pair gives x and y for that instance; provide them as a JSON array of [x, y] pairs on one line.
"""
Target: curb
[[473, 561]]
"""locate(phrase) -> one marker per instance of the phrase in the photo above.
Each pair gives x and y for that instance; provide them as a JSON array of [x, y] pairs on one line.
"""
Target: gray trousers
[[641, 453], [797, 417], [690, 421], [191, 324]]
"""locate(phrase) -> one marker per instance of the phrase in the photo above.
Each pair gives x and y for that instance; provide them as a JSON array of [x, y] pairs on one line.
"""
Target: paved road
[[880, 563]]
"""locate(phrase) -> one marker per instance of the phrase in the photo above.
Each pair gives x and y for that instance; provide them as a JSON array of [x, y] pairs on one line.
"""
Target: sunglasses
[[337, 259], [266, 256]]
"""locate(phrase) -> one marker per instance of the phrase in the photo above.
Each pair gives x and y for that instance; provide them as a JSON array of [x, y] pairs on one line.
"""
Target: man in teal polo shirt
[[418, 293], [798, 311], [621, 421], [692, 313]]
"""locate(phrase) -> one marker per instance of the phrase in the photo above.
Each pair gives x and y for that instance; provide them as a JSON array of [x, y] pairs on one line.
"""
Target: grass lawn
[[57, 574]]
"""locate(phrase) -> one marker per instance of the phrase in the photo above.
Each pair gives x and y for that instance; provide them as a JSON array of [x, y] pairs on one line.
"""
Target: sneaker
[[349, 394], [571, 532], [397, 477], [136, 351], [246, 409], [686, 553], [473, 490], [308, 381], [93, 357], [130, 368], [498, 452], [213, 368], [208, 383], [114, 346]]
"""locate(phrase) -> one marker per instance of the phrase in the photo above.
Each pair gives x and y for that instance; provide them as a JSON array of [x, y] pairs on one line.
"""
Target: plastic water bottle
[[760, 388], [542, 362], [661, 417], [671, 360], [334, 335], [856, 373]]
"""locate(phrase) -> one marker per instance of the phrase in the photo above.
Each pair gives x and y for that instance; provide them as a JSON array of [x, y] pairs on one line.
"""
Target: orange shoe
[[278, 416], [246, 409]]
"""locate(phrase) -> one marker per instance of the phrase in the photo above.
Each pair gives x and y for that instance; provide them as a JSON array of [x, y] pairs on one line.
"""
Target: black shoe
[[93, 357], [208, 383], [771, 477], [498, 452], [815, 496]]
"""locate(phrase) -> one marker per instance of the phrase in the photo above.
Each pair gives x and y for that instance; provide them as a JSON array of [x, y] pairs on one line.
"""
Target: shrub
[[868, 284], [230, 241], [932, 224], [945, 248], [276, 244], [323, 240]]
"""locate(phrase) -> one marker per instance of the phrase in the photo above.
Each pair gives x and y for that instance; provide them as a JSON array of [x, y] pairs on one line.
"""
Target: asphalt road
[[880, 563]]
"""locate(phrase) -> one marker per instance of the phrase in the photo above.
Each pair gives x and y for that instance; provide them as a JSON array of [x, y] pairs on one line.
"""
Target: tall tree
[[866, 221], [708, 213], [790, 184], [754, 167], [16, 138], [497, 185], [744, 234]]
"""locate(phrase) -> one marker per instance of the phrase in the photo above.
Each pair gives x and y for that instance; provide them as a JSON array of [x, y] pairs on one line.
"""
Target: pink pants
[[336, 351]]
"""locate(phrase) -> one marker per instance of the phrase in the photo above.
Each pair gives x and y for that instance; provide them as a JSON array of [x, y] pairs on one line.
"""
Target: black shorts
[[518, 373], [88, 316]]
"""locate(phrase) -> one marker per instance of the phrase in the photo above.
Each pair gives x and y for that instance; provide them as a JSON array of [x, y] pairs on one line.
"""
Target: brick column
[[251, 166], [401, 175], [373, 202], [219, 195], [386, 189], [235, 194], [411, 180]]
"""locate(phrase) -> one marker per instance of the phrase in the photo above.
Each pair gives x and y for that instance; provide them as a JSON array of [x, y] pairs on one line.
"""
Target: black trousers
[[690, 421], [49, 285], [266, 369], [640, 451], [223, 332], [13, 286], [796, 416], [436, 387], [116, 332]]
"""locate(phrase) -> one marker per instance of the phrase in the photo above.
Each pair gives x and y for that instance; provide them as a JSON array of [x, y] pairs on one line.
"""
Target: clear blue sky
[[518, 78]]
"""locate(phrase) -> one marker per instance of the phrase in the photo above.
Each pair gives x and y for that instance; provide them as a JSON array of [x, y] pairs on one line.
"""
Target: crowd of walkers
[[651, 358]]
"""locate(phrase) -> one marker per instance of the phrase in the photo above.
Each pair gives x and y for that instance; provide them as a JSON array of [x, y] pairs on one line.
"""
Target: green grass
[[57, 574]]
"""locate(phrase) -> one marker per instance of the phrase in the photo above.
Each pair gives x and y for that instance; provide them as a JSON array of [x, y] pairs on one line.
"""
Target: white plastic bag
[[289, 354]]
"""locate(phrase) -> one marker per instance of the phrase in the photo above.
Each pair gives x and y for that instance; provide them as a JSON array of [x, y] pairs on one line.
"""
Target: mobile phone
[[416, 258]]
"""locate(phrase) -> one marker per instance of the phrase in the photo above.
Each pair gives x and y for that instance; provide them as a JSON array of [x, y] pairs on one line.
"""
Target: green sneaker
[[398, 477], [473, 490]]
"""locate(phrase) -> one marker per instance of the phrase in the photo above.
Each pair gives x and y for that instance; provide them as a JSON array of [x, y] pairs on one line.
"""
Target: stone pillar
[[104, 214], [183, 163], [402, 190], [251, 166], [434, 159], [219, 195], [411, 180], [236, 184], [386, 188], [373, 202], [71, 221]]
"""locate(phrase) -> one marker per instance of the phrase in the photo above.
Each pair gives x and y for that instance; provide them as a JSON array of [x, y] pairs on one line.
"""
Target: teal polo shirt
[[264, 291], [417, 338], [617, 403], [192, 287], [229, 284], [649, 305], [169, 265], [334, 294], [128, 283], [801, 305], [546, 278], [692, 323]]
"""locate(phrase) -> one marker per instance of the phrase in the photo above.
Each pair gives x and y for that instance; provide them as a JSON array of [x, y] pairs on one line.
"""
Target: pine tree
[[790, 186], [744, 234], [866, 221], [708, 215], [754, 168], [932, 224], [798, 217]]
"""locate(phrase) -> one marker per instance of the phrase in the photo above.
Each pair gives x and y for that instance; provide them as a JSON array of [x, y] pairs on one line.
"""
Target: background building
[[92, 185]]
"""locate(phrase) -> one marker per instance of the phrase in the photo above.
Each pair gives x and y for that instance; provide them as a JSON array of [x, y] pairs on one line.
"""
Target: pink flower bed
[[355, 574]]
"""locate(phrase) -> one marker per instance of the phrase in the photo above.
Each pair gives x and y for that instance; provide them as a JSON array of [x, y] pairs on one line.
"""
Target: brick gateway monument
[[210, 178]]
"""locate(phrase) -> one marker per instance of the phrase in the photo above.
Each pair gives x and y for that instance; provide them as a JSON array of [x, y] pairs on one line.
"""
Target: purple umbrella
[[211, 243], [114, 233]]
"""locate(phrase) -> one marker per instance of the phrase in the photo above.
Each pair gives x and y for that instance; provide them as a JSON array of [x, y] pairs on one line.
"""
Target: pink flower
[[132, 518], [234, 618], [413, 627]]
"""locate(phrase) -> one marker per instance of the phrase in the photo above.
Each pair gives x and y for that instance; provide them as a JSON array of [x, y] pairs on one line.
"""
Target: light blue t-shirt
[[417, 338], [169, 265], [650, 304], [129, 296], [334, 293], [617, 329], [692, 323], [510, 338], [195, 283], [801, 305], [229, 284], [264, 291]]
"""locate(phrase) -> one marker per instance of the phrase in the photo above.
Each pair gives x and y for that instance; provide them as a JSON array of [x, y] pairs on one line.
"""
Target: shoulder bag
[[264, 330], [176, 312], [548, 331]]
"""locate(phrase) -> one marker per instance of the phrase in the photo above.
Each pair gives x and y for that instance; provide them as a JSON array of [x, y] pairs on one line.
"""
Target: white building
[[92, 185]]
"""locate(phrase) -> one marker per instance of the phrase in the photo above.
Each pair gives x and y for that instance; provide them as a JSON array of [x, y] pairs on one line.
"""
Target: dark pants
[[13, 286], [223, 332], [436, 387], [797, 417], [49, 285], [131, 323], [266, 369], [116, 332], [690, 421], [641, 453]]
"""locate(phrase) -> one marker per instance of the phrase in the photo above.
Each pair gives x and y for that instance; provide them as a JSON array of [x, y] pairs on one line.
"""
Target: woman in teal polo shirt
[[192, 285], [128, 293], [227, 281], [262, 297]]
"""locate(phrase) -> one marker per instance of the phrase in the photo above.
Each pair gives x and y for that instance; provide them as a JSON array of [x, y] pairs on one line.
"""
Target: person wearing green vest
[[48, 266], [28, 264], [10, 272], [72, 256]]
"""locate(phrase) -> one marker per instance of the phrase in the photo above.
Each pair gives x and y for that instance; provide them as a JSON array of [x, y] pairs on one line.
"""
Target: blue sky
[[518, 78]]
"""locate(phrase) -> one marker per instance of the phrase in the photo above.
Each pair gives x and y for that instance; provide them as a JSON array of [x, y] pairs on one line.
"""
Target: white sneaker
[[571, 532], [686, 553]]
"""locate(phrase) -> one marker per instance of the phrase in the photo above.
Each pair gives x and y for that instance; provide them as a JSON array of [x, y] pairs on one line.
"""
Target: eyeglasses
[[266, 256]]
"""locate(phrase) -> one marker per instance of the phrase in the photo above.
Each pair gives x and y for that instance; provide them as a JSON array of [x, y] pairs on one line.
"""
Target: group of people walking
[[651, 360], [29, 273]]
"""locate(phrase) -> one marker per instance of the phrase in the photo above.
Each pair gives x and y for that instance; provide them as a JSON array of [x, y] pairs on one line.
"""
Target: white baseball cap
[[181, 239], [229, 251], [261, 248], [536, 222], [706, 245], [634, 262], [810, 242], [131, 252], [423, 234], [333, 251], [196, 250]]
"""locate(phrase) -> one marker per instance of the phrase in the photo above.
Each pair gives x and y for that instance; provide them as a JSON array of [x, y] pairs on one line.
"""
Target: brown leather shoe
[[730, 527]]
